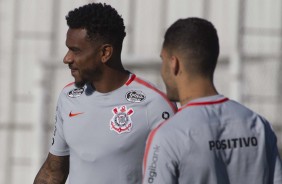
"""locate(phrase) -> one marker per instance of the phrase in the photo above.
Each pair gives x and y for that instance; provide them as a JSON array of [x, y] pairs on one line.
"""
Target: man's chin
[[79, 84], [172, 97]]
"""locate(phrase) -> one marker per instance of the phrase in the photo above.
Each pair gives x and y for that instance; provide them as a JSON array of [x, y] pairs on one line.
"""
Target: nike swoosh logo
[[74, 114]]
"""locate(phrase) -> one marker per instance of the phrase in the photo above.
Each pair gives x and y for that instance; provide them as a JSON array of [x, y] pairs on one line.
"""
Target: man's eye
[[75, 50]]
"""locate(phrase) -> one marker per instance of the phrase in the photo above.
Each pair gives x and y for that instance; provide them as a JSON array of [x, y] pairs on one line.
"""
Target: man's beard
[[80, 84], [88, 77], [172, 94]]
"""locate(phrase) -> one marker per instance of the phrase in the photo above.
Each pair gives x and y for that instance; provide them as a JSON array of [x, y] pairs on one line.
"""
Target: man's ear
[[174, 65], [106, 52]]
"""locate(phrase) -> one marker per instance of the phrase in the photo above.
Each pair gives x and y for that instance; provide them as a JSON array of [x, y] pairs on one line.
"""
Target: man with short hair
[[104, 117], [211, 139]]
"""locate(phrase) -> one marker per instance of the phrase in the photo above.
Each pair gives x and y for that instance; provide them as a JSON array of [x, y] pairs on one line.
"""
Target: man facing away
[[211, 139], [104, 117]]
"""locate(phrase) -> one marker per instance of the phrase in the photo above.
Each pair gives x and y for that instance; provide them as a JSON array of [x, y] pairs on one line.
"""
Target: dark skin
[[55, 170], [93, 61], [89, 61]]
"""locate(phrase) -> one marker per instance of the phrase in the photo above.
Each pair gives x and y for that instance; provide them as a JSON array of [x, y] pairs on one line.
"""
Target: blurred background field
[[32, 74]]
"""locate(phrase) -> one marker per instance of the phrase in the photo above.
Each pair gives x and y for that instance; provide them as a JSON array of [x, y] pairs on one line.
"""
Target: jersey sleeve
[[274, 158], [159, 110], [158, 164], [59, 146], [278, 169]]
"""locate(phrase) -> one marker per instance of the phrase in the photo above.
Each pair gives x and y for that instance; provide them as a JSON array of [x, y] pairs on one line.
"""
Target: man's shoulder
[[148, 88], [237, 109], [69, 86], [171, 131], [72, 91]]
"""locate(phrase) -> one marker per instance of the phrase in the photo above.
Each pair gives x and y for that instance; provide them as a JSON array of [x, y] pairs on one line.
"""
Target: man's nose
[[68, 59]]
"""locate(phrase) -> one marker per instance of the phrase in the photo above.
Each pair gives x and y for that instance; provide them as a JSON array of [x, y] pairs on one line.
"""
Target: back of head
[[102, 22], [197, 41]]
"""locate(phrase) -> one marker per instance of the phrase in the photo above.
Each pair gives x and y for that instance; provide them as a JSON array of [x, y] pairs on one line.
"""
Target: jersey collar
[[211, 100], [130, 79]]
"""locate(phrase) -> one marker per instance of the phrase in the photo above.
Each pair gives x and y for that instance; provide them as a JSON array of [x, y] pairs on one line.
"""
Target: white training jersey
[[105, 133], [213, 140]]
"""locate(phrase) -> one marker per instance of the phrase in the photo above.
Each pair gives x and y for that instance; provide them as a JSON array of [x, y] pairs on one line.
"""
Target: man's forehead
[[77, 38], [77, 33]]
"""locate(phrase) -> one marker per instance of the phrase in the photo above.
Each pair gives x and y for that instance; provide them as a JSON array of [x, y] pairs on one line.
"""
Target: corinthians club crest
[[121, 121]]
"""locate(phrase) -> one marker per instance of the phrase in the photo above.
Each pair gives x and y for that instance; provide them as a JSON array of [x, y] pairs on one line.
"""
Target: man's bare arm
[[55, 170]]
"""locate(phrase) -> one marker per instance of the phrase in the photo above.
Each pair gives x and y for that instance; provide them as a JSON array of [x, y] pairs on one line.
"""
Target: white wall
[[32, 39]]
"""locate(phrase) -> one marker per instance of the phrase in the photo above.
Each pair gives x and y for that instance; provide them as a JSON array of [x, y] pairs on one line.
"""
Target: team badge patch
[[121, 121], [135, 96], [76, 92]]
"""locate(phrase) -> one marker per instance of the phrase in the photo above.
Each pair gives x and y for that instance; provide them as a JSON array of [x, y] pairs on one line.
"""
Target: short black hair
[[197, 39], [101, 21]]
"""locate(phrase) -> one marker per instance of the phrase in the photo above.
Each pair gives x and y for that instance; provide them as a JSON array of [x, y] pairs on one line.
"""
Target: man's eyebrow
[[73, 48]]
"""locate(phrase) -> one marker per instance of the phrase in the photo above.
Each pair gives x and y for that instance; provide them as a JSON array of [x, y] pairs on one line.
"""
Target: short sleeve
[[278, 169], [158, 164], [59, 146], [273, 155]]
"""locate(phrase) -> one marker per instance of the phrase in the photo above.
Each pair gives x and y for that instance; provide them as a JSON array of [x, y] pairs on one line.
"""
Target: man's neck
[[196, 89], [111, 80]]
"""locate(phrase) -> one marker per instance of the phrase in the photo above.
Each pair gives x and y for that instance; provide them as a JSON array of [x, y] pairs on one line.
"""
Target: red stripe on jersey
[[158, 91], [148, 145], [203, 103], [69, 84], [132, 77]]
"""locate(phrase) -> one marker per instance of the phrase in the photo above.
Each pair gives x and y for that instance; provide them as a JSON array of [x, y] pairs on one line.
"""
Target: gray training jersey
[[213, 140], [105, 133]]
